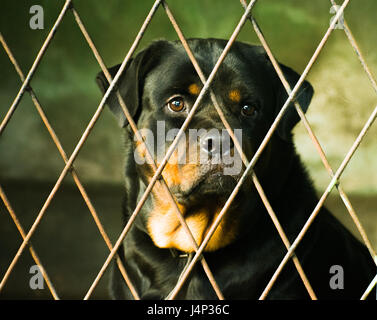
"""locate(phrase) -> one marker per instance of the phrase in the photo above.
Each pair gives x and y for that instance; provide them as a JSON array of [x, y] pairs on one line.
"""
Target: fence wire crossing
[[157, 178]]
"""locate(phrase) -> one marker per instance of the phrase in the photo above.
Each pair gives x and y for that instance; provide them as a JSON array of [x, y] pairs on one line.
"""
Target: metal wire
[[148, 153], [257, 155], [73, 170], [32, 251], [331, 185], [79, 145], [34, 67], [157, 176], [239, 149], [173, 146], [307, 126]]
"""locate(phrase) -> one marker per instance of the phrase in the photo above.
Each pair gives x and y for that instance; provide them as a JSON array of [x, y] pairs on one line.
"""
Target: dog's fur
[[247, 249]]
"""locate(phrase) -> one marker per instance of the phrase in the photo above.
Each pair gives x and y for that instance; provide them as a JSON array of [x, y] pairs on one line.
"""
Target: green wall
[[64, 81]]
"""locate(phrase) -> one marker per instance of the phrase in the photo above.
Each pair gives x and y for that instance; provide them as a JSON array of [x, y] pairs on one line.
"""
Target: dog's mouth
[[211, 184]]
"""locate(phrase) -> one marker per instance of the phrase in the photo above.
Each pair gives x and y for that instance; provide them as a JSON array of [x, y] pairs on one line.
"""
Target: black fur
[[243, 268]]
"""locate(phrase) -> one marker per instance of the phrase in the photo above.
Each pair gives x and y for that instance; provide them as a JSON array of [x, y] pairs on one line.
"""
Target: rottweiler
[[159, 87]]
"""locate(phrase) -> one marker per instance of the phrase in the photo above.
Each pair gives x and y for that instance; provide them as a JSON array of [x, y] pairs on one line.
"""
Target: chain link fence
[[246, 20]]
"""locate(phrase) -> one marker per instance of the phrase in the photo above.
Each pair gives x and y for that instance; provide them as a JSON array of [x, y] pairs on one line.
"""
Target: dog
[[159, 87]]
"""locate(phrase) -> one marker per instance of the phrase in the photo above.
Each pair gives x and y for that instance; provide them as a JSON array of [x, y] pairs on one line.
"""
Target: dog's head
[[160, 87]]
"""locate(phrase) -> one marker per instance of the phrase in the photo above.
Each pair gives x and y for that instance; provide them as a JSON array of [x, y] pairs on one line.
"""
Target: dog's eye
[[249, 111], [176, 104]]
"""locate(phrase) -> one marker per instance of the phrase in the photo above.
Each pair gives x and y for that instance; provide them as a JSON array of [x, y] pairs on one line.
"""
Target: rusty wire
[[257, 155], [157, 177], [73, 170], [345, 199], [369, 289], [329, 188], [343, 196], [173, 146], [148, 153], [239, 150], [35, 65], [81, 141], [32, 251], [307, 126], [13, 107]]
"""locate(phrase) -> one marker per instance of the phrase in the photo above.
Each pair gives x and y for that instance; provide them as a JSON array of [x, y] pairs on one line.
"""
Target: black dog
[[160, 84]]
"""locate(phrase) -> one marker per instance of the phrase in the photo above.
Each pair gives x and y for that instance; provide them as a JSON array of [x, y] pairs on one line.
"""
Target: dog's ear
[[128, 88], [130, 83], [303, 97]]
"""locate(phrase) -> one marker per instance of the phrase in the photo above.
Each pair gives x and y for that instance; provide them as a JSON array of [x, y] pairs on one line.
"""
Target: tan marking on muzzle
[[163, 224]]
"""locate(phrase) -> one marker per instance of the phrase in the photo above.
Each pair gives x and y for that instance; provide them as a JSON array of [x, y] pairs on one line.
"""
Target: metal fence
[[247, 17]]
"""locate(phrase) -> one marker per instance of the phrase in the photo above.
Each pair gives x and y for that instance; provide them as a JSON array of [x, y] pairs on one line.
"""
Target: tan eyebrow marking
[[194, 89], [234, 95]]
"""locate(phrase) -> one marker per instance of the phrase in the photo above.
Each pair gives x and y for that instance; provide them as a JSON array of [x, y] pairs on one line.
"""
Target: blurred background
[[67, 240]]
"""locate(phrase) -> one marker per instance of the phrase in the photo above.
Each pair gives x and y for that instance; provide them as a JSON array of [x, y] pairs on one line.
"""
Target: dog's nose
[[216, 144]]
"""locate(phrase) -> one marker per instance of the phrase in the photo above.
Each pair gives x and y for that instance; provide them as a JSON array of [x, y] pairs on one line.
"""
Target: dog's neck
[[293, 183]]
